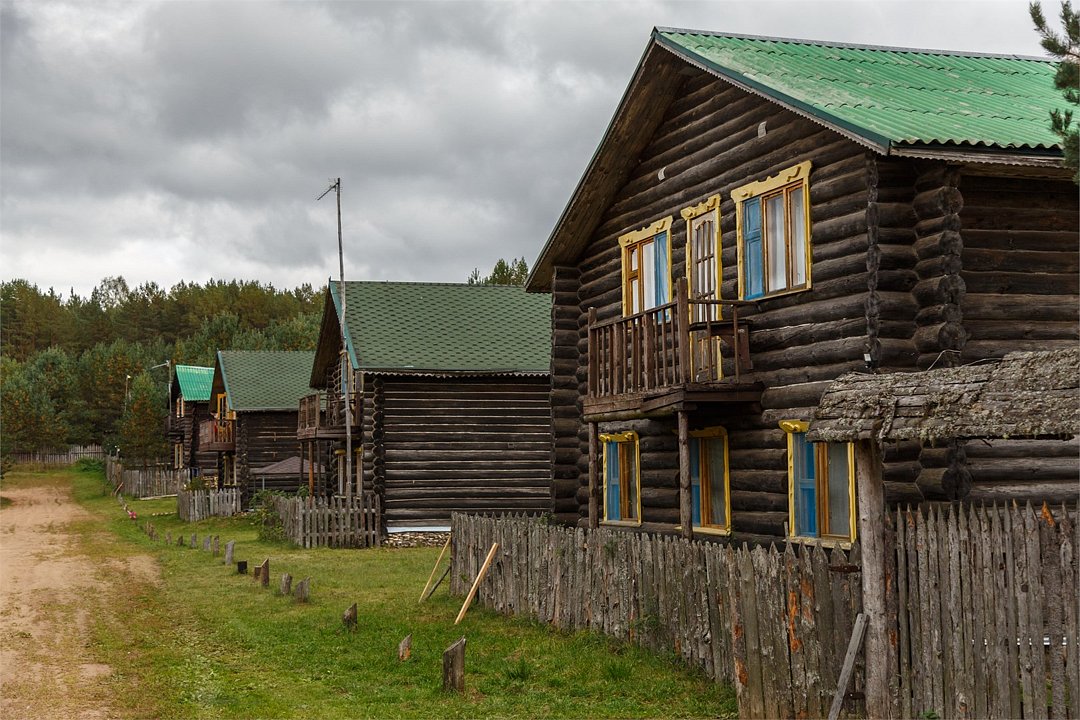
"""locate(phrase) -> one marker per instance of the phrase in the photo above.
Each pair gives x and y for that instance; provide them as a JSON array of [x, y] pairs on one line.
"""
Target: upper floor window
[[710, 503], [222, 406], [821, 486], [622, 481], [772, 218], [646, 267], [703, 256]]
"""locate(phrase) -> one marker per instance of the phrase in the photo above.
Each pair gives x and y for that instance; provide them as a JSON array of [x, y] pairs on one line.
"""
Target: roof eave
[[974, 154]]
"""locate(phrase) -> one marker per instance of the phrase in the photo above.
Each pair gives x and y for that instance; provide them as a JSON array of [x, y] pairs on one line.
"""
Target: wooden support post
[[180, 541], [286, 584], [311, 469], [437, 561], [404, 648], [453, 667], [194, 541], [303, 590], [594, 476], [682, 333], [349, 618], [264, 573], [849, 664], [686, 507], [229, 547], [439, 581], [168, 538], [870, 490], [216, 548], [476, 584], [206, 544]]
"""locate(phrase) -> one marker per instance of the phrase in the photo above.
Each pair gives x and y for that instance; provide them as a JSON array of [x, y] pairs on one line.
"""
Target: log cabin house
[[189, 404], [253, 414], [763, 215], [449, 397]]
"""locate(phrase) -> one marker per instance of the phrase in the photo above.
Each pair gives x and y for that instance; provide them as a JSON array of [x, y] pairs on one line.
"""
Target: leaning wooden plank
[[849, 664], [434, 569], [476, 583]]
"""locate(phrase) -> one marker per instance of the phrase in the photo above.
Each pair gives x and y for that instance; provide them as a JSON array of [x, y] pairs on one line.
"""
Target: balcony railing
[[323, 415], [217, 435], [669, 346]]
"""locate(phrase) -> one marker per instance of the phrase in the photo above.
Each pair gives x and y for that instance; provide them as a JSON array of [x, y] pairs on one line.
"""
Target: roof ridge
[[852, 46], [417, 283]]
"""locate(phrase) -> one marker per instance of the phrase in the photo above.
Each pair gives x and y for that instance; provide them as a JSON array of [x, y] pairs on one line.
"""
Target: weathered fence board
[[196, 505], [331, 521], [155, 480]]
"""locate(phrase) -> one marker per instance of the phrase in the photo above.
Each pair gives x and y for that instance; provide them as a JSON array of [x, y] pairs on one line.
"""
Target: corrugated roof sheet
[[890, 95], [195, 382], [447, 327], [265, 380]]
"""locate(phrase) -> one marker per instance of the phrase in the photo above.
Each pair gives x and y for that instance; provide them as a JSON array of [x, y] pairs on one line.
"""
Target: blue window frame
[[821, 480], [710, 501]]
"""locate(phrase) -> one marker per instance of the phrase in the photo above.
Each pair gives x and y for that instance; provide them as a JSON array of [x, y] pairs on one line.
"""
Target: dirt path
[[50, 593]]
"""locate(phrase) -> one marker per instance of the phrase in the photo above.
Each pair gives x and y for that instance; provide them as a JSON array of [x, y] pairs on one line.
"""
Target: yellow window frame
[[691, 215], [821, 479], [633, 242], [621, 438], [778, 184], [713, 433]]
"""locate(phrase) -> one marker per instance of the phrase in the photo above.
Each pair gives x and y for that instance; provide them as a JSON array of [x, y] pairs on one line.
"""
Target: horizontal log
[[977, 260], [902, 493], [478, 495], [1007, 330], [938, 265], [942, 336], [938, 201], [800, 395], [1024, 469], [977, 449], [745, 501], [947, 242], [1027, 239], [1053, 493], [979, 349], [993, 306], [656, 497], [763, 523], [758, 458], [1019, 218], [940, 290], [772, 481]]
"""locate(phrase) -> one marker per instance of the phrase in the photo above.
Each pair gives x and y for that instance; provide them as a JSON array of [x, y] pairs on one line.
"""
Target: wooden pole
[[594, 476], [870, 490], [437, 561], [453, 665], [476, 584], [685, 491], [848, 666]]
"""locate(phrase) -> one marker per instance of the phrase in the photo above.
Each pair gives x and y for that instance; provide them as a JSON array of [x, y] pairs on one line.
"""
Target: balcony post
[[686, 518], [594, 361], [594, 473], [682, 329]]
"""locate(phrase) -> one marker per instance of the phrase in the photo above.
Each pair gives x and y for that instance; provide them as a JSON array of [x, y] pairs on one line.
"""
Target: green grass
[[206, 643]]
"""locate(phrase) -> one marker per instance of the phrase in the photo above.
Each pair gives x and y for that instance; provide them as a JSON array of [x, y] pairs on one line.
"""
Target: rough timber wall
[[466, 445], [263, 438], [568, 465]]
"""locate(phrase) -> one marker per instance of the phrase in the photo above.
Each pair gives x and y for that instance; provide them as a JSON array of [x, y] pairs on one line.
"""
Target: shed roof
[[265, 379], [193, 382], [440, 328], [1023, 395], [967, 107]]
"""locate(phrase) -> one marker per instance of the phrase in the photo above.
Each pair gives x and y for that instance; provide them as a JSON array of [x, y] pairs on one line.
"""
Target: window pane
[[776, 243], [753, 272], [717, 499], [805, 487], [635, 297], [648, 277], [611, 481], [695, 481], [798, 237], [839, 491], [629, 474]]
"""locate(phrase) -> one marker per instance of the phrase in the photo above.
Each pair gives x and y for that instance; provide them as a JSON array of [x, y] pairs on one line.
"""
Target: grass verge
[[200, 641]]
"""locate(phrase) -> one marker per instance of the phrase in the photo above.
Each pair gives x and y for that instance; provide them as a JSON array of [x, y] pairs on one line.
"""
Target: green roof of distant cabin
[[195, 382], [889, 96], [433, 327], [265, 380]]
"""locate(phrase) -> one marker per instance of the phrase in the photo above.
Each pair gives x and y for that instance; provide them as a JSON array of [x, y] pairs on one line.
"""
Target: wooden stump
[[303, 590], [255, 572], [404, 648], [241, 567], [453, 667], [168, 538], [264, 573], [229, 546], [194, 541], [286, 584], [180, 542], [206, 544], [349, 618], [216, 546]]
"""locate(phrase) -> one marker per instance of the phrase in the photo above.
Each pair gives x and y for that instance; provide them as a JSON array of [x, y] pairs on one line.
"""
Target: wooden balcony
[[675, 356], [217, 435], [322, 416]]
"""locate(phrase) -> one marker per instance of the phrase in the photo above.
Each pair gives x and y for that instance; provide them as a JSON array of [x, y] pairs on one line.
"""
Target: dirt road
[[55, 582]]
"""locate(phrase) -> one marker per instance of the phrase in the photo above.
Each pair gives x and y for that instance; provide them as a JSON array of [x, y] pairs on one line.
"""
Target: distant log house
[[449, 393], [253, 419], [189, 405], [764, 215]]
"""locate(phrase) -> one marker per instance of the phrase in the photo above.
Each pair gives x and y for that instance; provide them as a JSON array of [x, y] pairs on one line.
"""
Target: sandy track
[[49, 594]]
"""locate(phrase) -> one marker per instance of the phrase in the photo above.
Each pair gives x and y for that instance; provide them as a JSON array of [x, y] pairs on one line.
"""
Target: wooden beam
[[476, 584], [437, 561], [594, 476], [870, 490], [849, 664], [685, 491]]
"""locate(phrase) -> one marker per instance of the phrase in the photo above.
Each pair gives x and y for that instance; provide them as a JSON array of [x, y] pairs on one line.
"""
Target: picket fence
[[774, 623], [196, 505], [981, 610], [70, 456], [331, 521], [155, 480]]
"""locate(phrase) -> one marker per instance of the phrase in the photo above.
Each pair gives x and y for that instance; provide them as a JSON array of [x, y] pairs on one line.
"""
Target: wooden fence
[[986, 621], [155, 480], [70, 456], [196, 505], [331, 521], [982, 607], [773, 623]]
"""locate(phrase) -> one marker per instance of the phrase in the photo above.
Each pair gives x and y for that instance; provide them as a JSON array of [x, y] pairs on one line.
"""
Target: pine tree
[[514, 272], [1066, 48]]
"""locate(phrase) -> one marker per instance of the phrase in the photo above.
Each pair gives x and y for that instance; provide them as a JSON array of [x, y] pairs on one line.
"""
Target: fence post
[[870, 490]]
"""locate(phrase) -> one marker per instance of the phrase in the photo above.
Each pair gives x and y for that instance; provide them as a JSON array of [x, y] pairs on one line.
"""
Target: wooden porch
[[669, 358], [322, 416], [217, 435]]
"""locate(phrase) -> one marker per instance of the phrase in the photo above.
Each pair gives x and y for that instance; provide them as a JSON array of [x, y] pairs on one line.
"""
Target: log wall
[[470, 445], [263, 438]]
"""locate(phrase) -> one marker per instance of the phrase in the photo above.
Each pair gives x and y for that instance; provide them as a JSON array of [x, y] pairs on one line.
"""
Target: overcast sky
[[188, 140]]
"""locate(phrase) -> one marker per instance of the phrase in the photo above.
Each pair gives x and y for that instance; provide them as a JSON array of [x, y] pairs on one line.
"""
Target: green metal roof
[[195, 382], [265, 380], [889, 96], [442, 327]]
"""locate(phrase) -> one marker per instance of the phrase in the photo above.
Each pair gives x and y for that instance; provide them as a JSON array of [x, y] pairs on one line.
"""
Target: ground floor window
[[711, 507], [622, 480], [821, 486], [178, 456]]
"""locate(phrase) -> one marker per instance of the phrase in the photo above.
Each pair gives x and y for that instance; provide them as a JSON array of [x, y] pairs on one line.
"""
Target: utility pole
[[346, 370]]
